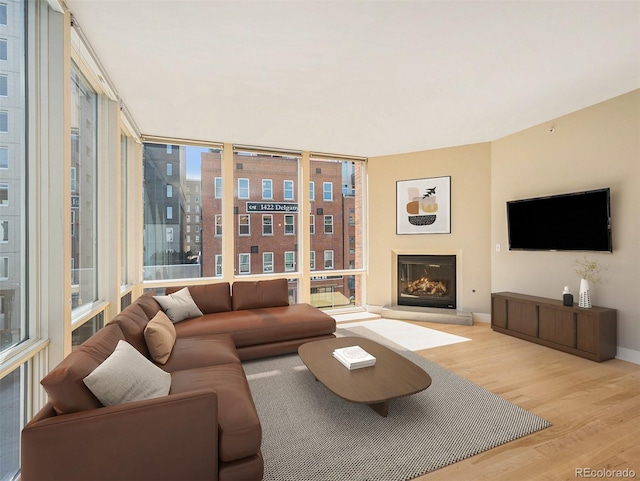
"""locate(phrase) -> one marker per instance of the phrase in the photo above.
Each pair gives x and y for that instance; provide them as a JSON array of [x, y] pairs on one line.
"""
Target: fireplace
[[427, 281]]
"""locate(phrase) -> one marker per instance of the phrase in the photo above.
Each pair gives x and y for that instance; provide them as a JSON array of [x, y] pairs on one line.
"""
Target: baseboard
[[628, 355]]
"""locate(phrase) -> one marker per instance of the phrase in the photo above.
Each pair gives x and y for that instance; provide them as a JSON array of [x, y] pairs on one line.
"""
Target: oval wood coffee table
[[392, 376]]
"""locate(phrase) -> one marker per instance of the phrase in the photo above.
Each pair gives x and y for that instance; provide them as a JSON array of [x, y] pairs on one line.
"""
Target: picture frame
[[423, 206]]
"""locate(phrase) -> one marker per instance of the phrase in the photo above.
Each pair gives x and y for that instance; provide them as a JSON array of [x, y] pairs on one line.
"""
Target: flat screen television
[[579, 221]]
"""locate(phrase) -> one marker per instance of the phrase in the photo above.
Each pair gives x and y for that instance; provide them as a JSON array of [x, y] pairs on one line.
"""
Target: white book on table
[[353, 357]]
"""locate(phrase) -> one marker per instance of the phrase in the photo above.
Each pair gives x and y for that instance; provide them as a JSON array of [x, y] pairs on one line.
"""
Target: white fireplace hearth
[[427, 314]]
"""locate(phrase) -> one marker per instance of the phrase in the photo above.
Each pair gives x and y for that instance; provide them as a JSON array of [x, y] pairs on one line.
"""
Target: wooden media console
[[589, 333]]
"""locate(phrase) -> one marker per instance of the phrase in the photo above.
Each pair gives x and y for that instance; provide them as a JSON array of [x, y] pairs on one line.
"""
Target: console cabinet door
[[499, 312], [521, 317], [557, 326], [587, 333]]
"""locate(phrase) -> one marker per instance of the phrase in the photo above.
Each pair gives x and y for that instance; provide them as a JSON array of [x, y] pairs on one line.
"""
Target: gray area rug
[[310, 434]]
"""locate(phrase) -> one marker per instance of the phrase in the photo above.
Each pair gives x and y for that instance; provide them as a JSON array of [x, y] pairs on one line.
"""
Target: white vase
[[585, 294]]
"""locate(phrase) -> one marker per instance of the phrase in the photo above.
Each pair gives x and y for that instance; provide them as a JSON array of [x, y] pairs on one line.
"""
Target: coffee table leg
[[381, 408]]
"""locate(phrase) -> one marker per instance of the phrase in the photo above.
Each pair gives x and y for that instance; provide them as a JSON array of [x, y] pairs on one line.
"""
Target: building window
[[312, 258], [289, 225], [288, 190], [267, 189], [169, 169], [169, 234], [4, 268], [3, 14], [267, 224], [289, 261], [244, 263], [169, 190], [328, 259], [4, 121], [267, 262], [74, 183], [352, 217], [169, 212], [4, 86], [3, 49], [218, 262], [312, 189], [169, 149], [218, 231], [244, 225], [312, 223], [327, 191], [4, 195], [328, 224], [4, 157], [243, 188], [4, 231], [218, 187]]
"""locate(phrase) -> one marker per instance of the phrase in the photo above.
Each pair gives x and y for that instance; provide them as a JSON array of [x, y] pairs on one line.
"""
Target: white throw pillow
[[126, 376], [179, 305]]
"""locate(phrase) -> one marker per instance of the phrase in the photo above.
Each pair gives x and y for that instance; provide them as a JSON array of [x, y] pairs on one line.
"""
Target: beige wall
[[470, 171], [592, 148]]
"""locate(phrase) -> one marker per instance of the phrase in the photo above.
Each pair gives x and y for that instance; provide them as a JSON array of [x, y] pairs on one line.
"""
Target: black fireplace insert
[[427, 281]]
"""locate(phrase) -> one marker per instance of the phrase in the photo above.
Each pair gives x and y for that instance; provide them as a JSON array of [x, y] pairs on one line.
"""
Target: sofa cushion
[[148, 304], [260, 294], [201, 351], [67, 392], [209, 298], [132, 321], [127, 376], [160, 336], [179, 305], [240, 434], [262, 326]]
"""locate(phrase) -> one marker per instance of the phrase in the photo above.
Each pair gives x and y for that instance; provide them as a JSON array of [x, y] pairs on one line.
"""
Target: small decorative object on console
[[354, 357], [567, 297]]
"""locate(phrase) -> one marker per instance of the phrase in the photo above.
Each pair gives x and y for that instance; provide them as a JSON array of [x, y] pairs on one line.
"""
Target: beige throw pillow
[[160, 336], [127, 376], [179, 305]]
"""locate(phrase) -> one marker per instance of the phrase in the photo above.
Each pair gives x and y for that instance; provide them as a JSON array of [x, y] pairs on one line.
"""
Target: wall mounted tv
[[579, 221]]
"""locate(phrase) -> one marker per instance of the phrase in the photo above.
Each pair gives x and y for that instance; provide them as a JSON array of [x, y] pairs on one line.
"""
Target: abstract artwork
[[423, 206]]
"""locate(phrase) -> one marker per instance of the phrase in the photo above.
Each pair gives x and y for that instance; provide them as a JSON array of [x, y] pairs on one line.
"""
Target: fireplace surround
[[427, 281]]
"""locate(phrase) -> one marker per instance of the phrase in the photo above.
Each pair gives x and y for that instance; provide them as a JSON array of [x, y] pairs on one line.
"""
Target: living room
[[556, 146]]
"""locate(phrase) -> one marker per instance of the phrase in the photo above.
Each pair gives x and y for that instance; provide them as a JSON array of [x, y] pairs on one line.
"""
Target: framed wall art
[[423, 206]]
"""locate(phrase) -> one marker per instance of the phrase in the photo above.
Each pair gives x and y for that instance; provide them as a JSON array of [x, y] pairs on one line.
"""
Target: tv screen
[[580, 221]]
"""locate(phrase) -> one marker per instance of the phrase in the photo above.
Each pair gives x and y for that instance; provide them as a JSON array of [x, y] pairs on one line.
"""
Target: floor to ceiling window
[[13, 241], [84, 193], [182, 211], [265, 208], [336, 240]]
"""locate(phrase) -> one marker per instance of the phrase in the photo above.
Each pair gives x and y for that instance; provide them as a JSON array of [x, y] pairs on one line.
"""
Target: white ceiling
[[360, 77]]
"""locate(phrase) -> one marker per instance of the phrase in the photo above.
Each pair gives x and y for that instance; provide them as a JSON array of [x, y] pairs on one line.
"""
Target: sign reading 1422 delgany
[[272, 207]]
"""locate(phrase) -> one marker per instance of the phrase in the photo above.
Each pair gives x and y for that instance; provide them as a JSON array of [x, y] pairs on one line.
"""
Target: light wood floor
[[594, 407]]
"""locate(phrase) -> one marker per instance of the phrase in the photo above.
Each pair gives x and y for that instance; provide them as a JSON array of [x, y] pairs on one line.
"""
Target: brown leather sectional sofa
[[207, 426]]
